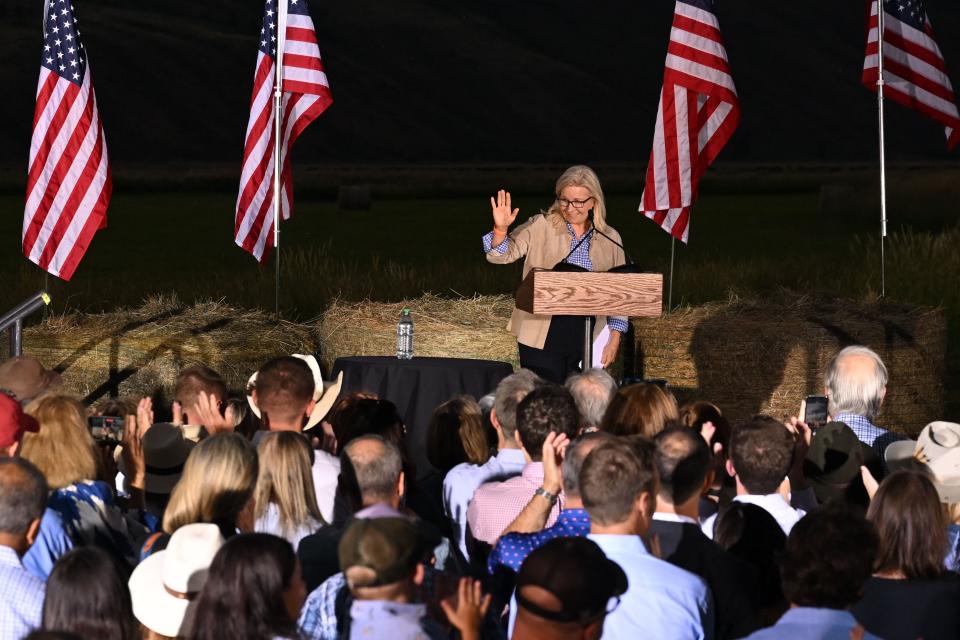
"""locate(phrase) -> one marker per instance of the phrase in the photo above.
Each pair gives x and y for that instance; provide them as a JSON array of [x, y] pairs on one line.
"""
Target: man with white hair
[[592, 390], [856, 384]]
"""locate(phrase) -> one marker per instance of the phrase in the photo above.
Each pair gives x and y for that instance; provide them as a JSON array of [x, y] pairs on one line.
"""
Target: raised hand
[[465, 611], [207, 411], [554, 448], [503, 215]]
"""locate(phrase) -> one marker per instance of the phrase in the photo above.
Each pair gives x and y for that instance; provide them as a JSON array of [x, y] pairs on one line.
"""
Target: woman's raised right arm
[[501, 248]]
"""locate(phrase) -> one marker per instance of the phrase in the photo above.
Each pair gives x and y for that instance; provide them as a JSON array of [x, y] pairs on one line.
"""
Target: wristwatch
[[551, 497]]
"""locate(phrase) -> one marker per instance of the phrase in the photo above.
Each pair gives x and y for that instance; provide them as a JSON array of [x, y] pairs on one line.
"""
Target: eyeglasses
[[576, 204]]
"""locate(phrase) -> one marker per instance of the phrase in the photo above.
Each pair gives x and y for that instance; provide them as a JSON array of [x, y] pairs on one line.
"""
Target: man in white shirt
[[285, 395], [463, 480], [618, 485], [763, 451]]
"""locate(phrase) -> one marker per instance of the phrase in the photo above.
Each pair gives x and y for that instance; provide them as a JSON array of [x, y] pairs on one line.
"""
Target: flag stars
[[73, 63], [46, 47], [69, 37], [60, 55], [55, 29], [71, 50], [63, 12], [57, 42], [271, 26], [49, 60], [76, 76], [63, 68], [269, 12]]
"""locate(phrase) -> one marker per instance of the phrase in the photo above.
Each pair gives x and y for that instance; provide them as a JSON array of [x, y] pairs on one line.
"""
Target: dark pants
[[561, 353]]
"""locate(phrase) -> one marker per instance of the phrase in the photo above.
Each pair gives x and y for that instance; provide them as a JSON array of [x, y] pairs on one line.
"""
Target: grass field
[[744, 240]]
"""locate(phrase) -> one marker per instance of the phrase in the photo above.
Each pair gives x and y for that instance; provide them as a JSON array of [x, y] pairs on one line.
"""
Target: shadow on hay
[[117, 376]]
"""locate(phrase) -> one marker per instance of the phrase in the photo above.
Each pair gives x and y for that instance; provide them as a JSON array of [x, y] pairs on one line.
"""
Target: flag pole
[[277, 120], [673, 248], [883, 160]]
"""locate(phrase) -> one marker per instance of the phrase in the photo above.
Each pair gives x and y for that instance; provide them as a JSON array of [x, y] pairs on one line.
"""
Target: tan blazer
[[544, 244]]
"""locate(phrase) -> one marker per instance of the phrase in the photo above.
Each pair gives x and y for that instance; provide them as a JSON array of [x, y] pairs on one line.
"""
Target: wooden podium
[[589, 293]]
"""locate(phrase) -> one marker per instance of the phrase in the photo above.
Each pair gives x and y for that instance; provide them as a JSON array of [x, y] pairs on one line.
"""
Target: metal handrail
[[13, 319]]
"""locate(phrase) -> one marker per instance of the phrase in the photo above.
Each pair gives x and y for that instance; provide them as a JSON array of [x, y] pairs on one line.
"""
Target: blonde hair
[[286, 480], [641, 409], [218, 481], [63, 448], [579, 176]]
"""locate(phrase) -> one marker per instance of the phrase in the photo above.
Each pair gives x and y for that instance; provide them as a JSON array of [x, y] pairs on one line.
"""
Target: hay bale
[[766, 356], [461, 328], [139, 351]]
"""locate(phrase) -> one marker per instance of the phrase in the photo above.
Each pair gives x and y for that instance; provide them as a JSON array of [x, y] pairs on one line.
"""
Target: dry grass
[[752, 356], [139, 351]]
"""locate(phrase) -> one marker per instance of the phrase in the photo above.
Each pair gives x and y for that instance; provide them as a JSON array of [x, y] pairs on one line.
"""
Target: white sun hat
[[165, 585]]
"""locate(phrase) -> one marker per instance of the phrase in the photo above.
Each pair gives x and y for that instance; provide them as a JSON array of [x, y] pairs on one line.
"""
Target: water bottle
[[405, 335]]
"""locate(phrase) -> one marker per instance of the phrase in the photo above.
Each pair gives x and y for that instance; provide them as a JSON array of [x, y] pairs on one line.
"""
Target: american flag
[[306, 94], [68, 181], [914, 73], [697, 114]]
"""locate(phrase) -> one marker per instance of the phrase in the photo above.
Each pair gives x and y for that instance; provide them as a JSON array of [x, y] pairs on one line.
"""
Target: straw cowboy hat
[[938, 449], [324, 394], [166, 584]]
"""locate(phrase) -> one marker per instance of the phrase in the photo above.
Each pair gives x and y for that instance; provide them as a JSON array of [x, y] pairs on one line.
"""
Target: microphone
[[594, 228]]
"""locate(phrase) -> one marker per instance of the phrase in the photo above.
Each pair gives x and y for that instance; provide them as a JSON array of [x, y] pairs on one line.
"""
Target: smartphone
[[107, 429], [813, 411]]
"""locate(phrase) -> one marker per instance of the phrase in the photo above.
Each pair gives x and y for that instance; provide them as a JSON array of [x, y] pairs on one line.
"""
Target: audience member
[[908, 595], [25, 379], [828, 557], [165, 586], [935, 452], [463, 480], [525, 534], [23, 496], [288, 396], [833, 463], [592, 390], [618, 486], [856, 385], [87, 595], [706, 419], [565, 590], [286, 503], [381, 559], [761, 456], [374, 470], [13, 424], [640, 409], [684, 468], [455, 435], [82, 508], [217, 487], [195, 387], [253, 591], [749, 533], [495, 504], [165, 453]]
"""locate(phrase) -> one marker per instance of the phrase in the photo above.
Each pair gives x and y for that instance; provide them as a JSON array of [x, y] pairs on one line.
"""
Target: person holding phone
[[552, 347]]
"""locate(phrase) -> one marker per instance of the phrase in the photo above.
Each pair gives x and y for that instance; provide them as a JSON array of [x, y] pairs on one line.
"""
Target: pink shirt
[[496, 504]]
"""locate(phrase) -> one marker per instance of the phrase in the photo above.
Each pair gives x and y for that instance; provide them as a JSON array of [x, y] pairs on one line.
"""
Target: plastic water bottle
[[405, 335]]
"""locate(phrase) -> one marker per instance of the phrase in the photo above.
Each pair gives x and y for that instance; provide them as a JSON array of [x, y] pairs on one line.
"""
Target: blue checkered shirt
[[580, 257], [868, 433], [21, 597], [512, 549]]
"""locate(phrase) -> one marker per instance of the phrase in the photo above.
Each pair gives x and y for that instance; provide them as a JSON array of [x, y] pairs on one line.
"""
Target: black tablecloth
[[417, 386]]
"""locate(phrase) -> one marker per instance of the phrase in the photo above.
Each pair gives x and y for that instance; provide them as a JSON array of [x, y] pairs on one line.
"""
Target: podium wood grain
[[590, 293]]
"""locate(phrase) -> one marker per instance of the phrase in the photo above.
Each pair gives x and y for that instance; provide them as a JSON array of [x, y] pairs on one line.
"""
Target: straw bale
[[766, 356], [139, 351], [452, 328]]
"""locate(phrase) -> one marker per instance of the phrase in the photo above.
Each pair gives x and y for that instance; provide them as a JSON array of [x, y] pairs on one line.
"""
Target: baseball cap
[[14, 422], [379, 551], [25, 378], [578, 574]]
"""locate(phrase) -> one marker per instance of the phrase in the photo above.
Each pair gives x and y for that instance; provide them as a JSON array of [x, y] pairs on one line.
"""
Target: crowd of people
[[580, 510]]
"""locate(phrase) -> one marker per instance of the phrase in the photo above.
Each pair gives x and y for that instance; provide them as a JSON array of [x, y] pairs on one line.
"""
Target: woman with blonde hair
[[81, 509], [216, 487], [286, 503], [572, 231], [640, 409]]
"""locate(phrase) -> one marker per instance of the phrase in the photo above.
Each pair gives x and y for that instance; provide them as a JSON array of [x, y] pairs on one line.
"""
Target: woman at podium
[[565, 236]]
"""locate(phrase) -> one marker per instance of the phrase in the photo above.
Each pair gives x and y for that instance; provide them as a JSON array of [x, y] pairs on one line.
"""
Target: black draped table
[[417, 386]]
